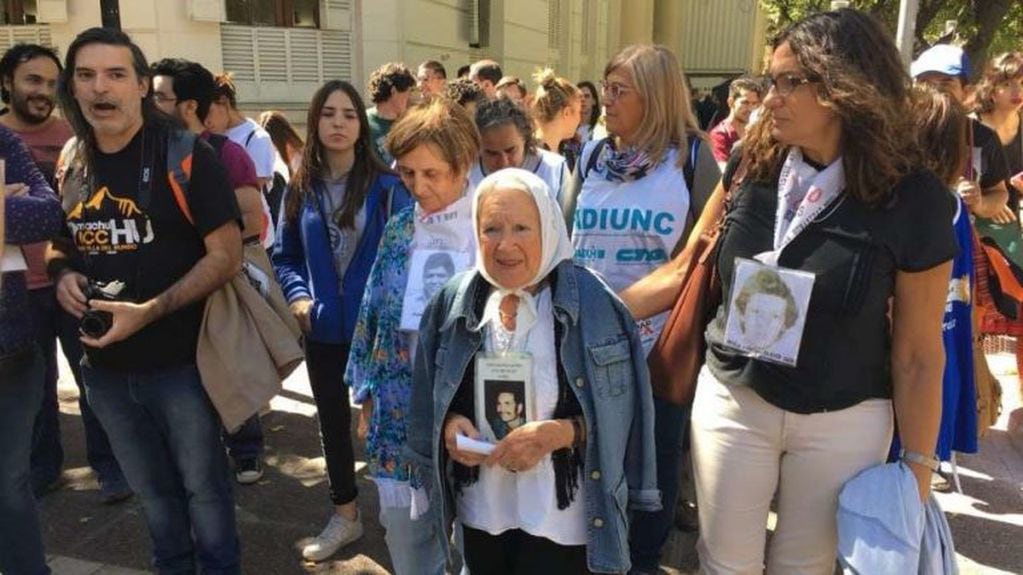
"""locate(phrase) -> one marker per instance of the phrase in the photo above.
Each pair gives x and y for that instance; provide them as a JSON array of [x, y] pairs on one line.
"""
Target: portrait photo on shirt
[[504, 407], [429, 270], [767, 312]]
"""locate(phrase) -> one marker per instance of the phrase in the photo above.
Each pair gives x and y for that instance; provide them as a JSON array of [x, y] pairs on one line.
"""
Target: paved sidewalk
[[290, 504]]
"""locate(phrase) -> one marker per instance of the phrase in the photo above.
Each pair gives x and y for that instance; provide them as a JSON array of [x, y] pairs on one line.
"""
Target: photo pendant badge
[[504, 393], [767, 311], [429, 270]]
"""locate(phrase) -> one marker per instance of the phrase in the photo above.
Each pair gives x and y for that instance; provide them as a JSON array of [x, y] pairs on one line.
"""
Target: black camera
[[96, 323]]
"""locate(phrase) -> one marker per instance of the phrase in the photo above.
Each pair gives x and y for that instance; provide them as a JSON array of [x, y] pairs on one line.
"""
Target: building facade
[[279, 51]]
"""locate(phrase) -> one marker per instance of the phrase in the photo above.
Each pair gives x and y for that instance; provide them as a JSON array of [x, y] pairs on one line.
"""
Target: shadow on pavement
[[275, 516]]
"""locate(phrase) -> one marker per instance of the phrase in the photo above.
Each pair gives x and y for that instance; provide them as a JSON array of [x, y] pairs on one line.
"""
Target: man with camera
[[140, 252]]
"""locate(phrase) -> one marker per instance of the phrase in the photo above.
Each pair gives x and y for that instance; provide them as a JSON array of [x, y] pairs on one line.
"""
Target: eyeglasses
[[613, 91], [163, 98], [785, 84]]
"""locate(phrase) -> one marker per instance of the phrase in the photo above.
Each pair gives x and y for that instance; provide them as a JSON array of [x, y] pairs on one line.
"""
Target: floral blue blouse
[[379, 365]]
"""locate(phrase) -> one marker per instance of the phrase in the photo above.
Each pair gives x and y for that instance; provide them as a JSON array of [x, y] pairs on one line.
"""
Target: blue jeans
[[47, 453], [247, 442], [415, 546], [166, 436], [649, 530], [21, 394]]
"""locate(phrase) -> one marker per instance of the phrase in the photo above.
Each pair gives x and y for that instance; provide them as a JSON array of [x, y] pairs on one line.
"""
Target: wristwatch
[[929, 461]]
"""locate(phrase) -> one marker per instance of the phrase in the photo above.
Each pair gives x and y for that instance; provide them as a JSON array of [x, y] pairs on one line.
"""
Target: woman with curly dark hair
[[831, 195]]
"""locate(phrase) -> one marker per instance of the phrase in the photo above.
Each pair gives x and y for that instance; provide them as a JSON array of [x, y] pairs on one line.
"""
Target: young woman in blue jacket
[[333, 216]]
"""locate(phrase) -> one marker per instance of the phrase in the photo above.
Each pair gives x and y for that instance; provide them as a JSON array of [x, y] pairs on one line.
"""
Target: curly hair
[[464, 91], [859, 76], [389, 78], [553, 95], [1002, 68], [501, 112]]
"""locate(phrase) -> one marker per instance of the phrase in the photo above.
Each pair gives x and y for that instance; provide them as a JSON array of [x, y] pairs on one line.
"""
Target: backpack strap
[[571, 195], [217, 141], [689, 174], [180, 145]]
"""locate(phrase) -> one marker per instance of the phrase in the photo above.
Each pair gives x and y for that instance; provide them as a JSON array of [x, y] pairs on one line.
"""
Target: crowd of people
[[482, 269]]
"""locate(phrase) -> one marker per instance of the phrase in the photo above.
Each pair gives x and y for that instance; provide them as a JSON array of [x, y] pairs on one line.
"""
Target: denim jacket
[[603, 359], [304, 262]]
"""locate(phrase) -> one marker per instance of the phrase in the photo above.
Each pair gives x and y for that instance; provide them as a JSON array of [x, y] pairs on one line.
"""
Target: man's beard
[[23, 108]]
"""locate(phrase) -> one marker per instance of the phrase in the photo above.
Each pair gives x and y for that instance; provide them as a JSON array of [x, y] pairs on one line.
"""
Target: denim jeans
[[166, 436], [47, 452], [21, 394], [247, 442], [46, 441], [649, 530], [415, 546]]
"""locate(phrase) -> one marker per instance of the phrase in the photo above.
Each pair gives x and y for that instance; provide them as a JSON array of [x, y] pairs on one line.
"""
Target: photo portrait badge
[[767, 311], [429, 270], [504, 393]]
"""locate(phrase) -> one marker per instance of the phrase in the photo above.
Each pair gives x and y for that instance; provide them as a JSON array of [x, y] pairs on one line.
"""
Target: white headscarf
[[555, 245]]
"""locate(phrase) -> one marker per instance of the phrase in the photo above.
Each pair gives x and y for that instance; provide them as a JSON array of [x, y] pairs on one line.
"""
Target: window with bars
[[262, 54], [276, 13]]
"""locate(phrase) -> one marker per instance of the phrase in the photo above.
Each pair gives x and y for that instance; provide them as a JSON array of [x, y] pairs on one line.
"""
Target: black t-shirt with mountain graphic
[[149, 247]]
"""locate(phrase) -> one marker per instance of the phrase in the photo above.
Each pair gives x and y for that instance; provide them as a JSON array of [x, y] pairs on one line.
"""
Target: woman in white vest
[[506, 136], [630, 214]]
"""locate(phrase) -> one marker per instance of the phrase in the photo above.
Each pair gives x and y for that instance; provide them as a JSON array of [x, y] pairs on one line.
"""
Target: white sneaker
[[338, 533]]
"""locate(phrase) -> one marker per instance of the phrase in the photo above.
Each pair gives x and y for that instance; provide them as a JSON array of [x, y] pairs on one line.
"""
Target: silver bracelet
[[929, 461]]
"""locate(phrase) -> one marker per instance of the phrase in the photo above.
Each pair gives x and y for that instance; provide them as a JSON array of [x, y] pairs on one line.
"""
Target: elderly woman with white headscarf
[[539, 352]]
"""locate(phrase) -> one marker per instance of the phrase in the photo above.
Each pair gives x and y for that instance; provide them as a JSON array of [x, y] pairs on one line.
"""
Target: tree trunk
[[988, 15]]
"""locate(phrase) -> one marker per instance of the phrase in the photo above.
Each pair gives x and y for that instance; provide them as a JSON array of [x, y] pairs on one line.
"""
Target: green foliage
[[984, 27]]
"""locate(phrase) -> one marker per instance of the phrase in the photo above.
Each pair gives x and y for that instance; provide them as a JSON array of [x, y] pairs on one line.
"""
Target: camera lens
[[95, 323]]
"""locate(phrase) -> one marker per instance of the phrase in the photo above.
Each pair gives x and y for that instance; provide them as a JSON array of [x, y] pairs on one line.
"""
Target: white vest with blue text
[[624, 230]]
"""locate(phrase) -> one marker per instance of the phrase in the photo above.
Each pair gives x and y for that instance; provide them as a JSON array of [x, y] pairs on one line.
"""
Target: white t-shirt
[[528, 500], [551, 168], [449, 229], [263, 154], [624, 230], [259, 146]]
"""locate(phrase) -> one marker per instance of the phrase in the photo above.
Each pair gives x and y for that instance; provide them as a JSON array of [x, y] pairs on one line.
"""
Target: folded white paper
[[464, 443]]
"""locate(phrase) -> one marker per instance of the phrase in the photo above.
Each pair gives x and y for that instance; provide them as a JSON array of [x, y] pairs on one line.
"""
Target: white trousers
[[746, 450]]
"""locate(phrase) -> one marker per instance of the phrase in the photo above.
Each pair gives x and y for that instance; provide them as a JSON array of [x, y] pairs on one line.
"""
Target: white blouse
[[501, 500]]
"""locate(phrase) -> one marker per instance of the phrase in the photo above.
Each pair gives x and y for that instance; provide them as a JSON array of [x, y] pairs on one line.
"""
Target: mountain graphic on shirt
[[126, 207]]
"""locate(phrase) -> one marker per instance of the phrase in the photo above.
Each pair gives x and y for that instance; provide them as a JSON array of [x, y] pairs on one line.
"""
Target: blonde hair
[[668, 117], [443, 123], [553, 94]]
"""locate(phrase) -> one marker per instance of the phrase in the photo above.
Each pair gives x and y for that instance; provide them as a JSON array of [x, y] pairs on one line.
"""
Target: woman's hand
[[969, 191], [526, 445], [460, 425], [301, 309], [1004, 216], [365, 416]]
